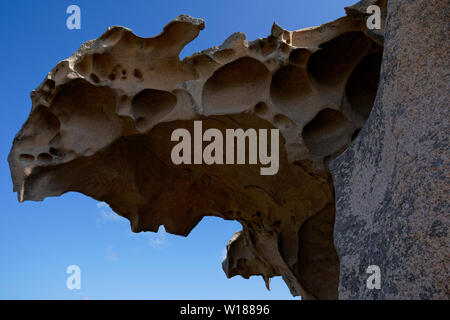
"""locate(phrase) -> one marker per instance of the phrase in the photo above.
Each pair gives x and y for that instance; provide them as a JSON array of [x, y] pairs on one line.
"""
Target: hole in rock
[[337, 57], [137, 74], [265, 46], [45, 157], [94, 78], [363, 84], [56, 152], [45, 119], [327, 133], [89, 108], [235, 87], [151, 105], [299, 57], [45, 126], [84, 65], [289, 85], [26, 157], [102, 64], [261, 108]]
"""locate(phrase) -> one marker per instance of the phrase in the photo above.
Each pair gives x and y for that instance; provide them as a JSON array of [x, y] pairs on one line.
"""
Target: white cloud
[[105, 213], [102, 205], [110, 254], [158, 240]]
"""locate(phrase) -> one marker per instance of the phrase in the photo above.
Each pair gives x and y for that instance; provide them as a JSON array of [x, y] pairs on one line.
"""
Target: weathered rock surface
[[392, 184], [101, 124]]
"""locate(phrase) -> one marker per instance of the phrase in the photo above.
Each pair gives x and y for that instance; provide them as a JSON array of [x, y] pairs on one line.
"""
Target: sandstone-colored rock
[[392, 184], [102, 119]]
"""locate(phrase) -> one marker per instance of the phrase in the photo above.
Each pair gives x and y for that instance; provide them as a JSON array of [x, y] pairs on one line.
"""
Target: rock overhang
[[101, 122]]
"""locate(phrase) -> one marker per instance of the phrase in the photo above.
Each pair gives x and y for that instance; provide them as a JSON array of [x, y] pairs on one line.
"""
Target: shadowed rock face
[[101, 124]]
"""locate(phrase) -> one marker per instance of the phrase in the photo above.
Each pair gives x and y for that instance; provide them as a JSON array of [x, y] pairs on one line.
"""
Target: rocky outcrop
[[101, 124], [392, 184]]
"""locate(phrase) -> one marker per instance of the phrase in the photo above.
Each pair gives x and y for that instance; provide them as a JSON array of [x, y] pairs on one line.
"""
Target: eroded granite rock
[[101, 124]]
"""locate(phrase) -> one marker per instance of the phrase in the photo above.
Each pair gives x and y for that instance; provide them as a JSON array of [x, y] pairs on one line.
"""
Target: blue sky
[[38, 240]]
